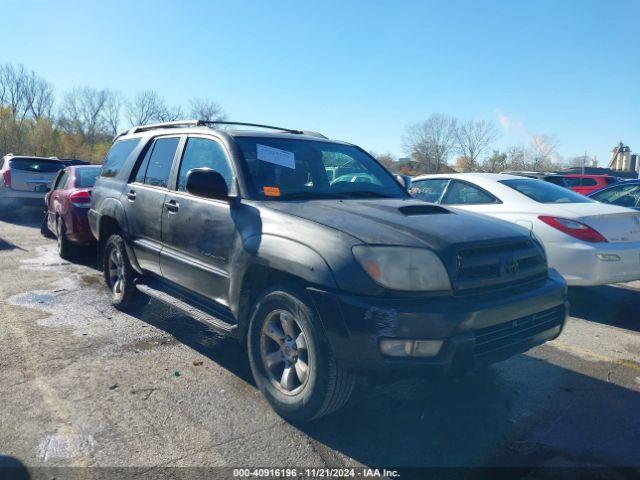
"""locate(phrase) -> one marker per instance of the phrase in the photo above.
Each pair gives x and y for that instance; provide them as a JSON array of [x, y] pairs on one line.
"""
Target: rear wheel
[[291, 360], [64, 246], [119, 274]]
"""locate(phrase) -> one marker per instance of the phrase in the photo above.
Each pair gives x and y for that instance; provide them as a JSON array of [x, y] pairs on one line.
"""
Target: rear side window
[[86, 177], [589, 182], [429, 190], [61, 181], [36, 165], [160, 159], [610, 180], [117, 155], [464, 194]]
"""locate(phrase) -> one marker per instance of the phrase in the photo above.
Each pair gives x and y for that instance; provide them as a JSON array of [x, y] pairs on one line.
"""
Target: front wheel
[[291, 360], [119, 274]]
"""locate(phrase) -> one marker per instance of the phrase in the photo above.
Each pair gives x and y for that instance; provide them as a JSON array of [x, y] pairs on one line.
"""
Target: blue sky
[[356, 70]]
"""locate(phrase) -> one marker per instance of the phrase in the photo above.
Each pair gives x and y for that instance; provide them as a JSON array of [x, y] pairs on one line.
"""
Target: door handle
[[172, 206], [131, 195]]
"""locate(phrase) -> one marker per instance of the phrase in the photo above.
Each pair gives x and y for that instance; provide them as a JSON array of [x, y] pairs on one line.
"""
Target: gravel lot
[[86, 385]]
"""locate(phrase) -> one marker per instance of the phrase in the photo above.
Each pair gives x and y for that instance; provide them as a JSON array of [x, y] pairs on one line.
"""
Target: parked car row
[[319, 260], [581, 183]]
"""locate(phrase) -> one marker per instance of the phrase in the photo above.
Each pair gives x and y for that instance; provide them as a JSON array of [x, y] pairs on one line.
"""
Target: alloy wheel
[[116, 272], [284, 352]]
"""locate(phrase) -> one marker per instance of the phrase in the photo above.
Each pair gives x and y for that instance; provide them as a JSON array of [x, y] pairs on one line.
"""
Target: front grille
[[483, 268], [505, 334]]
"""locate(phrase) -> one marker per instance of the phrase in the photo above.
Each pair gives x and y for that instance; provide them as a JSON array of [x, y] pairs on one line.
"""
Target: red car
[[66, 207], [584, 184]]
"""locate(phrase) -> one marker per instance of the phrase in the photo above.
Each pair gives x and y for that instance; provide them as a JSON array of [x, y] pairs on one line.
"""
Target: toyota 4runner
[[313, 255]]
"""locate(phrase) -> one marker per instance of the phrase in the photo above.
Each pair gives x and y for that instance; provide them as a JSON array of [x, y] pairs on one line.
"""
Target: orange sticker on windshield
[[271, 191]]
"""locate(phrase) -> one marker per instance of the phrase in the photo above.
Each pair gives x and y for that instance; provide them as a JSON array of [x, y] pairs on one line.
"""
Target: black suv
[[313, 254]]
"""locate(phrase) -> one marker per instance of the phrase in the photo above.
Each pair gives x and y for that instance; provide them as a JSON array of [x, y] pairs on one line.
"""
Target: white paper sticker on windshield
[[276, 156]]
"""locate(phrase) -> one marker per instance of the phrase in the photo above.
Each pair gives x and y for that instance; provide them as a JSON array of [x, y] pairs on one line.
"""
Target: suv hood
[[401, 222]]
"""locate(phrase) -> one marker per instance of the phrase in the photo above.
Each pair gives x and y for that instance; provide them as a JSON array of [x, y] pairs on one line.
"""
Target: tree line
[[430, 145], [79, 123]]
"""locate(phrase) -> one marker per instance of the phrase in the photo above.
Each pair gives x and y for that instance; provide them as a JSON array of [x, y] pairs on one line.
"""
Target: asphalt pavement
[[86, 385]]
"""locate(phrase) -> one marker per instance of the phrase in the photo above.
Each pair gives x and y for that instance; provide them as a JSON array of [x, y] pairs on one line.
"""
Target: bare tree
[[542, 152], [148, 107], [516, 158], [112, 111], [39, 96], [170, 114], [472, 139], [13, 81], [82, 113], [205, 109], [430, 142]]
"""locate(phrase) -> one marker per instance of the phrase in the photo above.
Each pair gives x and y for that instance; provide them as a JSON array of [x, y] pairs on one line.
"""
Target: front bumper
[[476, 330], [579, 264]]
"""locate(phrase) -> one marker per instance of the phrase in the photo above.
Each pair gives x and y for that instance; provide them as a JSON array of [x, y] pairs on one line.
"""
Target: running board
[[201, 313]]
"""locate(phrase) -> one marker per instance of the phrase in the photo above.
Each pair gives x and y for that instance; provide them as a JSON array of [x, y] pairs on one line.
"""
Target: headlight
[[403, 268]]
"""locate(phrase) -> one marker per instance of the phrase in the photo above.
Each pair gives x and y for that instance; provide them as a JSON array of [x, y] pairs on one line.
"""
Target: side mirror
[[207, 183]]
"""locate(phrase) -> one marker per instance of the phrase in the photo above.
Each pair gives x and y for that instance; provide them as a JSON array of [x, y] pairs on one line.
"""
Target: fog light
[[608, 257], [410, 348]]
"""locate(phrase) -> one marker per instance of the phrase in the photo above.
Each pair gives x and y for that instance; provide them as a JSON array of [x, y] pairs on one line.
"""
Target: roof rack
[[176, 124], [270, 127], [211, 124]]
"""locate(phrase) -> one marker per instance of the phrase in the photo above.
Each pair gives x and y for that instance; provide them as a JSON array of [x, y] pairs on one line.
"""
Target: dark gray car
[[249, 232]]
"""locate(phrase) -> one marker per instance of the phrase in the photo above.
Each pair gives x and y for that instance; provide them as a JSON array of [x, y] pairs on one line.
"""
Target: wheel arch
[[277, 261], [113, 220]]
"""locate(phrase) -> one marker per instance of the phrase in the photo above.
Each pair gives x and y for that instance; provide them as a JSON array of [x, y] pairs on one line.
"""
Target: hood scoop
[[426, 209]]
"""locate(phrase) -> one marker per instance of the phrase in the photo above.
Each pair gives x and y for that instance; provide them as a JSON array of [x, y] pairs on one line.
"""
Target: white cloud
[[512, 124]]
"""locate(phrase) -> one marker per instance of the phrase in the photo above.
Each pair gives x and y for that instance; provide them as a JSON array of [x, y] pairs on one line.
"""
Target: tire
[[295, 395], [119, 274], [65, 248], [44, 227]]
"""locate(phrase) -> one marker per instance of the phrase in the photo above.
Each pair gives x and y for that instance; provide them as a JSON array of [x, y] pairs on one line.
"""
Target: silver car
[[25, 180]]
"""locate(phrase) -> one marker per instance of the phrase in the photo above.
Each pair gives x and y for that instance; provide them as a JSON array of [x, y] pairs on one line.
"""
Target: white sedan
[[588, 242]]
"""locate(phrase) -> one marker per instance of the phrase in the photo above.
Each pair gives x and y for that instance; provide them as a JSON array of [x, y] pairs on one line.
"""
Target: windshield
[[86, 177], [545, 192], [290, 169]]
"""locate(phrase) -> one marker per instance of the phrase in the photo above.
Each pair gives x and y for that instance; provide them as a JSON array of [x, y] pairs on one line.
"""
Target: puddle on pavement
[[36, 298]]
